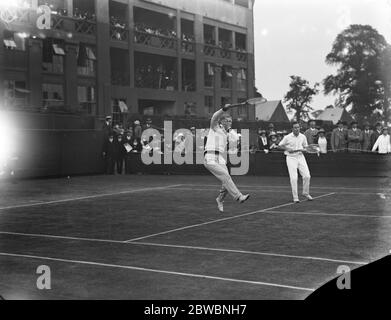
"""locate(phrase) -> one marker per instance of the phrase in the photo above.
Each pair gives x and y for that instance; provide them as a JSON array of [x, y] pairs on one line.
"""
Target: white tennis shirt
[[294, 142], [217, 140]]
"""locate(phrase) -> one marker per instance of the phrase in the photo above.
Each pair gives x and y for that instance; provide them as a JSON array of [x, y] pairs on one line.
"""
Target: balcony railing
[[157, 41], [58, 22], [119, 33], [189, 86], [218, 52], [85, 27], [188, 47], [155, 81]]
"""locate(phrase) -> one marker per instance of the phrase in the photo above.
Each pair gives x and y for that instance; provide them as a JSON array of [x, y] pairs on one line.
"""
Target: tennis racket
[[253, 101], [312, 148]]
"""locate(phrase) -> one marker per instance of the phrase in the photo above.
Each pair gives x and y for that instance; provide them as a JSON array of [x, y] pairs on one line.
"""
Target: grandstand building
[[121, 57]]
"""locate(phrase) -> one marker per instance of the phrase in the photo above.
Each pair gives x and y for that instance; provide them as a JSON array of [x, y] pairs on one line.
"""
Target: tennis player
[[215, 156], [294, 145]]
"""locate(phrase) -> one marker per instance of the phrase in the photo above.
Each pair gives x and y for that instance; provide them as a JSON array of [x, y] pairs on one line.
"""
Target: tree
[[300, 96], [384, 83], [357, 53]]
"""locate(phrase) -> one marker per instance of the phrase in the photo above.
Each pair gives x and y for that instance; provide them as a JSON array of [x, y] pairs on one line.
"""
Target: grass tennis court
[[161, 237]]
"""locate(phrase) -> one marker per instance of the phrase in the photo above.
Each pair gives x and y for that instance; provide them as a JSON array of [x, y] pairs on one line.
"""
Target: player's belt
[[217, 153]]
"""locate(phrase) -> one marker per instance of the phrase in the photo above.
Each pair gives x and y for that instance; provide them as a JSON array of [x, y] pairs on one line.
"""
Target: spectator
[[345, 126], [339, 138], [263, 143], [311, 132], [280, 135], [120, 153], [322, 141], [383, 143], [273, 145], [118, 130], [376, 134], [107, 127], [137, 147], [355, 138], [367, 136], [128, 148], [109, 154], [270, 129], [137, 131], [129, 132]]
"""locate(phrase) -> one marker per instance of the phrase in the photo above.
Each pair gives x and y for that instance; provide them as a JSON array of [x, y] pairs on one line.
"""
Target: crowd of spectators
[[156, 77], [120, 142], [145, 28], [344, 138], [77, 13]]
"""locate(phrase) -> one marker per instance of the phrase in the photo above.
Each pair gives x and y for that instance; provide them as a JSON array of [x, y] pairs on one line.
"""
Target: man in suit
[[355, 138], [376, 134], [367, 136], [270, 129], [311, 132], [107, 127], [119, 153], [263, 143], [339, 138], [109, 154]]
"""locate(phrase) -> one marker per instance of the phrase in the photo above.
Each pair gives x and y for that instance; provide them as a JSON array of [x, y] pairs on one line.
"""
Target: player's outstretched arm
[[214, 122]]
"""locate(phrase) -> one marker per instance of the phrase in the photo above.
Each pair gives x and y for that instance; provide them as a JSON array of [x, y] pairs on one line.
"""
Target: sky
[[293, 37]]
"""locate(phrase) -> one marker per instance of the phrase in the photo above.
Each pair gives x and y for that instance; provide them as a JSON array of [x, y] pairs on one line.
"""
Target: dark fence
[[44, 153]]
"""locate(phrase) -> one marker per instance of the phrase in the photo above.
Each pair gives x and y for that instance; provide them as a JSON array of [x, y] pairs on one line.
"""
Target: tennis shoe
[[220, 204]]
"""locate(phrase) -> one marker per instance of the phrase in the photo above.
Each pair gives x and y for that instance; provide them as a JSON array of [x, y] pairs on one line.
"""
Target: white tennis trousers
[[298, 163], [217, 166]]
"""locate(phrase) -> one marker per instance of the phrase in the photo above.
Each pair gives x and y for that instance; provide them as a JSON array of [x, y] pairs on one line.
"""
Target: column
[[103, 57], [199, 61], [35, 72], [71, 96], [131, 45]]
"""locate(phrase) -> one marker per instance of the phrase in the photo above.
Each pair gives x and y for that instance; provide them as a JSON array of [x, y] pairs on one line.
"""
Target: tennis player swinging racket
[[215, 154]]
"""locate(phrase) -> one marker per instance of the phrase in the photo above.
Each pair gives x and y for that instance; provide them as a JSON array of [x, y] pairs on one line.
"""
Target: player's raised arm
[[214, 122]]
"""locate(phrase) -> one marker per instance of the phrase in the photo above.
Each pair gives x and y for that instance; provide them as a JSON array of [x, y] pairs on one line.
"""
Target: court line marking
[[287, 186], [208, 188], [222, 219], [244, 188], [250, 252], [182, 247], [89, 197], [329, 214], [192, 275], [49, 236]]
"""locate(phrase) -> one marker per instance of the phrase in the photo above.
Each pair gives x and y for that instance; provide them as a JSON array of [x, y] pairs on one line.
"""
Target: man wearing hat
[[383, 143], [311, 132], [355, 138], [376, 134], [367, 136], [137, 132], [339, 138], [109, 153], [270, 129], [263, 143], [107, 127]]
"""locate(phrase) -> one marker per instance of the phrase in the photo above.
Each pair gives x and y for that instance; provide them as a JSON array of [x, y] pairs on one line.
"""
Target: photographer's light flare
[[6, 140]]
